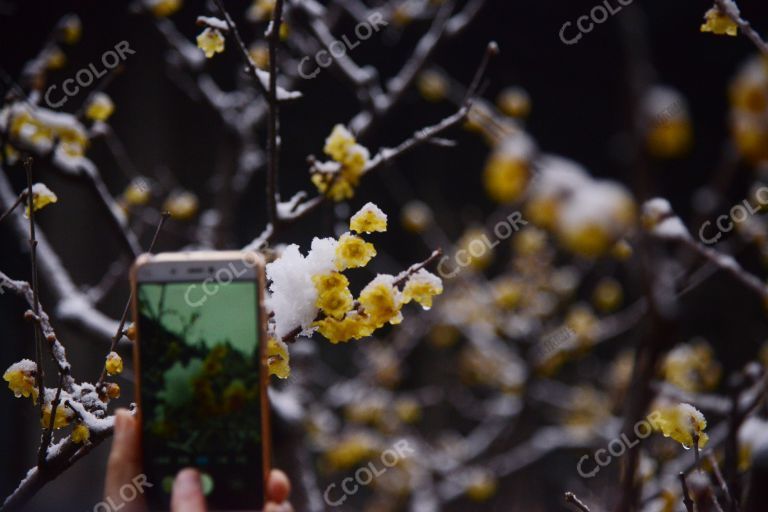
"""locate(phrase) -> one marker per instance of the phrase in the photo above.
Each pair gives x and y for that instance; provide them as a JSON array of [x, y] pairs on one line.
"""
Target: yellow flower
[[260, 10], [114, 364], [692, 367], [481, 485], [353, 252], [607, 295], [681, 422], [670, 138], [583, 324], [181, 205], [514, 102], [21, 379], [42, 196], [421, 287], [335, 303], [55, 58], [71, 29], [339, 143], [508, 292], [408, 410], [259, 53], [63, 416], [530, 241], [505, 177], [381, 301], [368, 220], [80, 434], [352, 326], [350, 451], [163, 8], [432, 85], [138, 192], [211, 41], [278, 359], [416, 216], [113, 390], [719, 23], [100, 107], [337, 186]]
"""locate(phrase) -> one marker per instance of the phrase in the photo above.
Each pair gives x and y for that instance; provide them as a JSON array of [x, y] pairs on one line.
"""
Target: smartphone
[[201, 379]]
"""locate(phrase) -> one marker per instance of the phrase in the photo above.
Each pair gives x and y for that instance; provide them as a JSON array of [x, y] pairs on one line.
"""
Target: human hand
[[124, 468]]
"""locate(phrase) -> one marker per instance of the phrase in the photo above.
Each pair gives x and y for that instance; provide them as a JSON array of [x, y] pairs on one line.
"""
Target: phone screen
[[200, 390]]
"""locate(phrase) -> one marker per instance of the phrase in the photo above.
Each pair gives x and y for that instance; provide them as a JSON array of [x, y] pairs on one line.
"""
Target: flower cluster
[[683, 423], [339, 177], [44, 130], [312, 293]]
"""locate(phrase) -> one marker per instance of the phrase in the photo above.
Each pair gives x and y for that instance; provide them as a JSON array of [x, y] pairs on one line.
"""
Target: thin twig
[[273, 116], [124, 317], [10, 210], [687, 501], [730, 9], [571, 499]]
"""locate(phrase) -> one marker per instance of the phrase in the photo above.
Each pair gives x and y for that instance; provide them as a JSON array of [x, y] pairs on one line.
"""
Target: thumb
[[187, 495], [124, 465]]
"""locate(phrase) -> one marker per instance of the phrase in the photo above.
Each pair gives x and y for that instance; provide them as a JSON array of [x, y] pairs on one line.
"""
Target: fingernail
[[188, 482]]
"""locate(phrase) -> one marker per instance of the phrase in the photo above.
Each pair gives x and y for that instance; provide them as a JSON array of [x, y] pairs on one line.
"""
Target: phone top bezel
[[184, 267]]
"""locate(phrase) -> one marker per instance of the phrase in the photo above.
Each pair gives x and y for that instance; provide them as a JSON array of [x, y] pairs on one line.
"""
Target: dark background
[[581, 110]]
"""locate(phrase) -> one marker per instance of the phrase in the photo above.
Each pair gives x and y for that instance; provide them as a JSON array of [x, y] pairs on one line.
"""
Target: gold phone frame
[[187, 261]]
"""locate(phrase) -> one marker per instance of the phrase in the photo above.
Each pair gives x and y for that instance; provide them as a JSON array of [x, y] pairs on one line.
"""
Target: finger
[[124, 464], [278, 507], [278, 486], [187, 495]]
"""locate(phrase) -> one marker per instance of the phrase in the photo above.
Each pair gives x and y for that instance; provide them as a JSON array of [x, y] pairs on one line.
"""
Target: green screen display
[[200, 393]]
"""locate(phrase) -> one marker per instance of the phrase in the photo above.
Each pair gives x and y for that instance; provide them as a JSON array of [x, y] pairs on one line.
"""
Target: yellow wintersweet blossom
[[353, 252], [368, 220], [505, 177], [481, 485], [71, 29], [113, 390], [55, 58], [350, 451], [718, 22], [352, 326], [114, 364], [607, 295], [21, 379], [259, 52], [432, 85], [278, 359], [421, 287], [42, 196], [335, 303], [339, 142], [692, 367], [339, 178], [163, 8], [80, 434], [100, 107], [416, 216], [260, 10], [382, 301], [211, 41], [681, 422], [514, 102], [181, 205], [138, 192], [63, 416]]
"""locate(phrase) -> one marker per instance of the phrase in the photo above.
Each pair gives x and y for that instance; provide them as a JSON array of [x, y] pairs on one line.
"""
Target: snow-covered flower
[[42, 196], [339, 178], [352, 326], [416, 216], [21, 379], [278, 358], [421, 287], [138, 192], [507, 172], [368, 220], [211, 41], [353, 252], [381, 301], [114, 364], [64, 416], [71, 28], [718, 22], [260, 10], [100, 107], [334, 298], [339, 142], [181, 205], [681, 422]]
